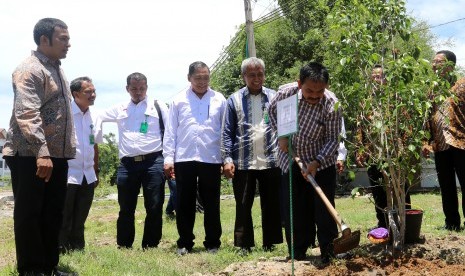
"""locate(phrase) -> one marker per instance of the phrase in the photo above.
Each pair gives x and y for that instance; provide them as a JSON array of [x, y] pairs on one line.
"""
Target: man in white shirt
[[192, 153], [140, 151], [83, 170]]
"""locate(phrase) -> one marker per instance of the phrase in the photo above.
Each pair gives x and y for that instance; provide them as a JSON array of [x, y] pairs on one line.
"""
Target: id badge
[[143, 127], [91, 139], [266, 117]]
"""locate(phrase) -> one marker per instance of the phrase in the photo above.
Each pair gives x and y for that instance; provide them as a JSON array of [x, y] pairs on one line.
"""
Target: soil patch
[[432, 256]]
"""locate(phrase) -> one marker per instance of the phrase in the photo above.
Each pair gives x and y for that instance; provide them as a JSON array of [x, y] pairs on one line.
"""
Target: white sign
[[287, 116]]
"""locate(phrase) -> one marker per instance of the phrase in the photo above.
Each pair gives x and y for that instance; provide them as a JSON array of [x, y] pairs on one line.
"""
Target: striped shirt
[[319, 126], [247, 138]]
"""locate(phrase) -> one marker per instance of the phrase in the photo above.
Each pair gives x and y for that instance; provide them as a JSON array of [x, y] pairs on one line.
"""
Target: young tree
[[365, 33]]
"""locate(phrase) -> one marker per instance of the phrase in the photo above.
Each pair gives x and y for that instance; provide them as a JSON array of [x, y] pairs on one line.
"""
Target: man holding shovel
[[316, 142]]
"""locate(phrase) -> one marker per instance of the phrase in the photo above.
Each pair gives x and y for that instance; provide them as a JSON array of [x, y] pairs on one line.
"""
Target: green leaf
[[411, 148], [343, 61]]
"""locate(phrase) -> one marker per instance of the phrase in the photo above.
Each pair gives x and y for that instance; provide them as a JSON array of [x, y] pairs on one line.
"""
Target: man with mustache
[[316, 143], [83, 169]]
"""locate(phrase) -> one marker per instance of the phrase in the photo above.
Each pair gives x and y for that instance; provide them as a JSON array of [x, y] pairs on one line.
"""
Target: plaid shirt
[[318, 131], [237, 139]]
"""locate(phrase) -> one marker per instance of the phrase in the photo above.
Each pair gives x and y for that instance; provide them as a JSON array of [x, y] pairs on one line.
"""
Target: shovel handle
[[323, 197]]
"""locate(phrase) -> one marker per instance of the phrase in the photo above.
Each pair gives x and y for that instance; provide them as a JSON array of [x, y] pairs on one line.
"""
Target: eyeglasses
[[201, 78], [88, 93]]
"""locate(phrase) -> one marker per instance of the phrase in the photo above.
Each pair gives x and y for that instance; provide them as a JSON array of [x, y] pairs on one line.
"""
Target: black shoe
[[213, 250], [268, 248], [244, 251], [182, 251], [171, 216], [327, 254], [32, 273], [61, 273], [451, 227]]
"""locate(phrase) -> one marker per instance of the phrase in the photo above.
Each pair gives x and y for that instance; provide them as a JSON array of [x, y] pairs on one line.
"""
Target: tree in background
[[108, 159]]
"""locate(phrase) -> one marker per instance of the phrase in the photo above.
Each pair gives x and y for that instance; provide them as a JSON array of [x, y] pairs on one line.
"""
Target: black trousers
[[77, 205], [205, 177], [38, 213], [379, 194], [308, 209], [244, 185], [131, 175], [449, 163]]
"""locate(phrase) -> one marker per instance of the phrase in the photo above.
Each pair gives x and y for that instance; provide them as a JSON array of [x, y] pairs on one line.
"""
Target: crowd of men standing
[[52, 152]]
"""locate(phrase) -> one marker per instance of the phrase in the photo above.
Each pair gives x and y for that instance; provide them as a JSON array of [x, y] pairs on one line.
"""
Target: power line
[[442, 24], [259, 22]]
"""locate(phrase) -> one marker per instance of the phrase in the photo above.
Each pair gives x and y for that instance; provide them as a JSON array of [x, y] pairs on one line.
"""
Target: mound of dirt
[[432, 256]]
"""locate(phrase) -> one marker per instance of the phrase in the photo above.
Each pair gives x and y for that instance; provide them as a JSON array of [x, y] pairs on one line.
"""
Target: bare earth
[[431, 256]]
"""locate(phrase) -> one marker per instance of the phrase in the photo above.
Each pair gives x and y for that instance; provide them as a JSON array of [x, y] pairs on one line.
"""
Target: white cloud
[[436, 13]]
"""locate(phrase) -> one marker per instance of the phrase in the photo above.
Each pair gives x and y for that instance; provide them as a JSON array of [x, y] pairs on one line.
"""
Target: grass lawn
[[101, 256]]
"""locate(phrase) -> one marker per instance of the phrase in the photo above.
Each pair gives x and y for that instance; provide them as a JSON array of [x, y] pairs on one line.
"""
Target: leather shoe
[[62, 273], [451, 227], [182, 251], [244, 251], [268, 248]]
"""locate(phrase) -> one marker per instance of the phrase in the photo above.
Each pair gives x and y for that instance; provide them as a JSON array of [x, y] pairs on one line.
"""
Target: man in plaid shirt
[[316, 143]]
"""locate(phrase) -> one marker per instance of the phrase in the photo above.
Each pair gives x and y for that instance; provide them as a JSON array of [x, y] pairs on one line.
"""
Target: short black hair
[[196, 65], [76, 84], [46, 26], [136, 76], [314, 71], [450, 56]]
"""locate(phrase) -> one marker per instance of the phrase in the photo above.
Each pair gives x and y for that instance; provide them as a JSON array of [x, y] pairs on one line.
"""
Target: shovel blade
[[346, 242]]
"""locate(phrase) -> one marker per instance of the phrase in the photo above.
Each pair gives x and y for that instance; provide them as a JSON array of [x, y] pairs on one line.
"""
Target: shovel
[[348, 240]]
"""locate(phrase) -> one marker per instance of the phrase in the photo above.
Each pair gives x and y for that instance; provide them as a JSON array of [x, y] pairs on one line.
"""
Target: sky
[[112, 38]]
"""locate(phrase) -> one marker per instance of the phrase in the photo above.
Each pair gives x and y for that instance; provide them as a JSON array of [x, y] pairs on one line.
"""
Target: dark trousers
[[37, 213], [379, 194], [449, 163], [131, 175], [244, 185], [205, 177], [171, 206], [308, 209], [77, 205]]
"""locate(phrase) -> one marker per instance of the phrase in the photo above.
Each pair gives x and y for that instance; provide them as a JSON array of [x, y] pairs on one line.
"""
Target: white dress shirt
[[194, 128], [258, 161], [129, 117], [83, 164], [342, 150]]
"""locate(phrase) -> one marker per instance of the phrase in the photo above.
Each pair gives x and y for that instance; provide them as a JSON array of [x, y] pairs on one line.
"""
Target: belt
[[139, 158]]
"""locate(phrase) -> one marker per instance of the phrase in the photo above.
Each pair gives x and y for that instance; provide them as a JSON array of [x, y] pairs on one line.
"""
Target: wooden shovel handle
[[322, 195]]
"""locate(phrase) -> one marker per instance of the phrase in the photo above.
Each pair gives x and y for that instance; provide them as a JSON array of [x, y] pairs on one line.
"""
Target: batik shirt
[[454, 132], [41, 123]]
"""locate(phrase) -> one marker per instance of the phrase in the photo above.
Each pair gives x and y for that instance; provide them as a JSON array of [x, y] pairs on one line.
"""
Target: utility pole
[[249, 29]]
